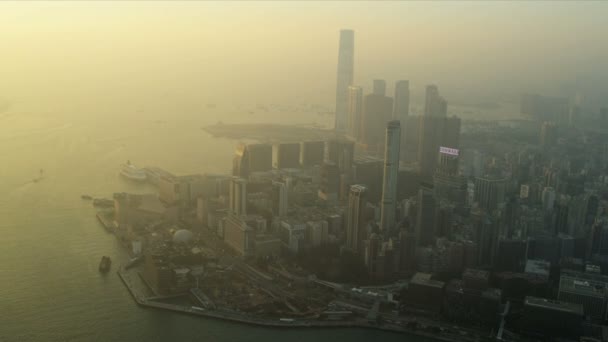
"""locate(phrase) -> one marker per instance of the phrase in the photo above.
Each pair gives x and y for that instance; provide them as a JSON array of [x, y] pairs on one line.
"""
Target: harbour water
[[51, 242]]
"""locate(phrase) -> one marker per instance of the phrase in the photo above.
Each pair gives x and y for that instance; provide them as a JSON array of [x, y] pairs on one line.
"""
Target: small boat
[[105, 264], [86, 197], [103, 202]]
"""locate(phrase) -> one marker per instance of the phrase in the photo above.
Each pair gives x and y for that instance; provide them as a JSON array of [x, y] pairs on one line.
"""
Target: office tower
[[425, 217], [238, 196], [589, 290], [377, 111], [356, 218], [355, 111], [391, 172], [401, 105], [312, 153], [447, 179], [434, 133], [490, 192], [346, 53], [342, 153], [548, 134], [434, 104], [251, 158], [286, 155], [330, 182], [280, 203], [379, 87]]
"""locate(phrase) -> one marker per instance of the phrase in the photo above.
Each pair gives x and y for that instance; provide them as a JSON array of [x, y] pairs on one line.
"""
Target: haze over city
[[303, 171], [251, 52]]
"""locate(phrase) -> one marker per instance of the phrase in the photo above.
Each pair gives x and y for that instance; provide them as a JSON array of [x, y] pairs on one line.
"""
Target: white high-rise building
[[391, 172], [344, 77], [238, 196]]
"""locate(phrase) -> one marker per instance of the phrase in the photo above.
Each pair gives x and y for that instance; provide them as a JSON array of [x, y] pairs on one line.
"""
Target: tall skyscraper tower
[[238, 196], [391, 173], [401, 105], [346, 53], [356, 220], [434, 104], [355, 110], [379, 87]]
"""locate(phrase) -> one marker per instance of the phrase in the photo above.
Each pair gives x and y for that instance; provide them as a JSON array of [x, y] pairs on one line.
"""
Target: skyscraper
[[435, 132], [238, 196], [379, 87], [280, 198], [434, 104], [355, 110], [344, 77], [425, 218], [391, 172], [401, 104], [356, 220], [490, 192]]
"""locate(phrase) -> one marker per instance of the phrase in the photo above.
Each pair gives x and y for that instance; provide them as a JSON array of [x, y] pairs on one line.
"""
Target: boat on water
[[103, 202], [131, 172], [105, 264]]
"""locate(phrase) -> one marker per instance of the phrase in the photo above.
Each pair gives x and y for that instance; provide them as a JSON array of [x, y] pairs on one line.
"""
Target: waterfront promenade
[[237, 317]]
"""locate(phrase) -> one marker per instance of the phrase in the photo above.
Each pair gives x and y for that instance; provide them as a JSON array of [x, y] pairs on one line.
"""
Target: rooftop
[[554, 305], [540, 267], [425, 279]]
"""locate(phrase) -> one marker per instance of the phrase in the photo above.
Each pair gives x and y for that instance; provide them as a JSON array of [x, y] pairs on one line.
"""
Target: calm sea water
[[51, 243]]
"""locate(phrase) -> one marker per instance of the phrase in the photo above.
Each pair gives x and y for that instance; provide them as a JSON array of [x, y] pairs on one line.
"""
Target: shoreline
[[268, 323]]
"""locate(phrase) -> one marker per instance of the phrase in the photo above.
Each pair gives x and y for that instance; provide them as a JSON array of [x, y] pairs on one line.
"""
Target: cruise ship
[[131, 172]]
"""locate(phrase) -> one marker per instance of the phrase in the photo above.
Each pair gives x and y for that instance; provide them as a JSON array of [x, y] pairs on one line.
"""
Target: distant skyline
[[111, 53]]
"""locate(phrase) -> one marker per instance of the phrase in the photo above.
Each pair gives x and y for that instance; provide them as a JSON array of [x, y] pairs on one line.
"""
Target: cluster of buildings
[[500, 231]]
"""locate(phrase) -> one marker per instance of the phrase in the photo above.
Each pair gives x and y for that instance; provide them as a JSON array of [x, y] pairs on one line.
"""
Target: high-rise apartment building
[[356, 218], [344, 79], [238, 196], [391, 173], [280, 203]]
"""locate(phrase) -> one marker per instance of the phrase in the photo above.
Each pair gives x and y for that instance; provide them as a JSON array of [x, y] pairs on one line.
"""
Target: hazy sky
[[84, 53]]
